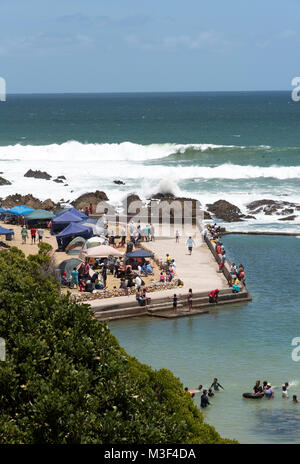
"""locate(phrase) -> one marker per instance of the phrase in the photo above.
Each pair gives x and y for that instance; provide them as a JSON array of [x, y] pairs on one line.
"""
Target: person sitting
[[140, 299], [162, 277], [235, 288], [89, 286], [149, 268], [233, 270], [65, 282]]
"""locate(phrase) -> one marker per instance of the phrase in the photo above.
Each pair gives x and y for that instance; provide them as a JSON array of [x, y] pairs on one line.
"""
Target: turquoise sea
[[238, 146]]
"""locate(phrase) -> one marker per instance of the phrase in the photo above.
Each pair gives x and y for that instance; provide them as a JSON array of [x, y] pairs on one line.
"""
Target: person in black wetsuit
[[204, 400], [215, 385]]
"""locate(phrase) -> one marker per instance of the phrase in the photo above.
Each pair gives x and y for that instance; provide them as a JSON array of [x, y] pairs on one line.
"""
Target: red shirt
[[33, 232], [91, 209]]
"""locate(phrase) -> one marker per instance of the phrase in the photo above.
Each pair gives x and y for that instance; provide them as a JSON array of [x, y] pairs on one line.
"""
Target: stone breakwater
[[102, 294]]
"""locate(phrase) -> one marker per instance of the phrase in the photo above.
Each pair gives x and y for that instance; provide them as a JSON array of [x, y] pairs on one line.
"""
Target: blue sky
[[157, 45]]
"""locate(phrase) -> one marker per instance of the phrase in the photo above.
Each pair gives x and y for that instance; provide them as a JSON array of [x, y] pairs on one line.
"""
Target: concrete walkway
[[198, 271]]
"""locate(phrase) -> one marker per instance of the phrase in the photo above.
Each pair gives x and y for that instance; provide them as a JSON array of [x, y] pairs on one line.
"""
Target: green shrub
[[67, 380]]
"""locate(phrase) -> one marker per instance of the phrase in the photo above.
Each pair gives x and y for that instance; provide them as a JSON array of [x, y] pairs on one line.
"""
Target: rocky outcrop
[[58, 181], [288, 218], [37, 174], [222, 209], [270, 207], [4, 181], [28, 200], [119, 182], [91, 197]]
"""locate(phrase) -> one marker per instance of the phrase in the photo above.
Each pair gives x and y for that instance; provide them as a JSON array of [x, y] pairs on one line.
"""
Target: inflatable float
[[252, 396]]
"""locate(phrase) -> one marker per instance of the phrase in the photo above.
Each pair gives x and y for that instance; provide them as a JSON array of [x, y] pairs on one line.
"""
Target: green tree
[[67, 380]]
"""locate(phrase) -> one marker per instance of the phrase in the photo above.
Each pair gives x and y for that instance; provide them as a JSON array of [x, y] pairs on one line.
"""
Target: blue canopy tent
[[73, 211], [20, 210], [7, 232], [139, 254], [62, 220], [71, 231], [3, 210]]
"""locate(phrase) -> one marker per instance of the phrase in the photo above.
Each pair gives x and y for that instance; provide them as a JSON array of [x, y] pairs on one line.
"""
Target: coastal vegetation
[[67, 380]]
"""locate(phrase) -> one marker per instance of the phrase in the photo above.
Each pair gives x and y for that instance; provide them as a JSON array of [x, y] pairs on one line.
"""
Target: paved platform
[[198, 271]]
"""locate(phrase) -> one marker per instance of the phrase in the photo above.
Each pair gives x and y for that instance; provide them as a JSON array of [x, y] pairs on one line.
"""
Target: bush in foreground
[[67, 380]]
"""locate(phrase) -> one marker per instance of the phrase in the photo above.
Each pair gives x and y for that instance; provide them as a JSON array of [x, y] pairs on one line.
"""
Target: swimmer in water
[[216, 385], [210, 392], [284, 392], [295, 399], [190, 392]]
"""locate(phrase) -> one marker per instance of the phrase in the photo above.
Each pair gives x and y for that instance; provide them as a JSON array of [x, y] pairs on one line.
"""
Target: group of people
[[34, 233], [138, 233], [237, 273], [206, 393], [267, 390]]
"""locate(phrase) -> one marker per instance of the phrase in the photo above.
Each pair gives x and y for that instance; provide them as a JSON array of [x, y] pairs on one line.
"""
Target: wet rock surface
[[38, 174]]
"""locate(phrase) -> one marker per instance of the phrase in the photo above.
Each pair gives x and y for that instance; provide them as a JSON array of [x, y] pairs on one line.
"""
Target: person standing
[[74, 280], [91, 209], [215, 385], [104, 275], [152, 232], [123, 235], [190, 299], [177, 237], [40, 234], [204, 399], [190, 243], [175, 300], [33, 234], [24, 234]]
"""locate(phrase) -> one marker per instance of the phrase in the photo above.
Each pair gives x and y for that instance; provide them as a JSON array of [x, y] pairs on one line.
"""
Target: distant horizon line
[[144, 92]]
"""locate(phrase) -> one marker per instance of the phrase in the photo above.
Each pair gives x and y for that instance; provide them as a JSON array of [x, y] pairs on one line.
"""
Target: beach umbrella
[[102, 251], [94, 241]]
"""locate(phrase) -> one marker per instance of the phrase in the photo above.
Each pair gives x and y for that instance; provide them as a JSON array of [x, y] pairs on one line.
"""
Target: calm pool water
[[238, 344]]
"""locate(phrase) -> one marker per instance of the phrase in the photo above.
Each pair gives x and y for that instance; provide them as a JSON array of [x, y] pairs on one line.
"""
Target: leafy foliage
[[67, 380]]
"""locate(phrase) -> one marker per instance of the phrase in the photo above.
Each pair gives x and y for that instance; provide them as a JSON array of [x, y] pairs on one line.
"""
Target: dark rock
[[207, 215], [258, 203], [119, 182], [286, 211], [66, 185], [28, 200], [222, 209], [248, 216], [163, 196], [37, 174], [61, 177], [91, 197], [58, 181], [4, 181], [287, 218]]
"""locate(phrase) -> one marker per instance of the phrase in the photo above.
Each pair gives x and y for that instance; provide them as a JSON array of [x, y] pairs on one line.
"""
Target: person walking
[[190, 243]]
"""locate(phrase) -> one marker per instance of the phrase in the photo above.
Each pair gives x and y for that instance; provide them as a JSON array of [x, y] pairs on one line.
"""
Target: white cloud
[[204, 39]]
